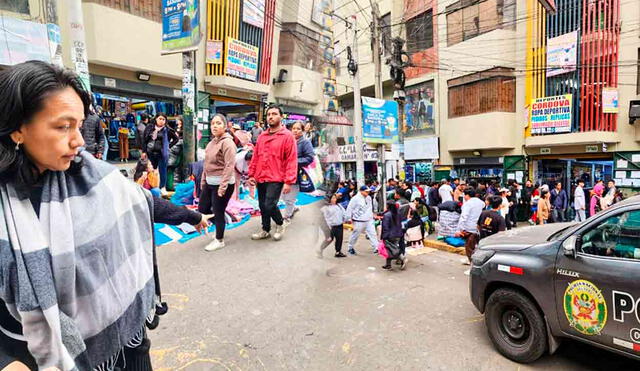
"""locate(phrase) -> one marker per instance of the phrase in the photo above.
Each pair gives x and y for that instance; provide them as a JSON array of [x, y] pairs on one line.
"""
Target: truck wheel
[[515, 326]]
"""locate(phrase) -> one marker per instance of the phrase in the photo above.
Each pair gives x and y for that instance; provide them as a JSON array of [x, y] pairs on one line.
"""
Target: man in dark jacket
[[433, 195], [93, 135], [140, 128], [559, 203]]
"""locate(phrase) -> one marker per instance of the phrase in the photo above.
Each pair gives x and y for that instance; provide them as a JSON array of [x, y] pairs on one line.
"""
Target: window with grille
[[489, 95], [467, 19], [420, 32]]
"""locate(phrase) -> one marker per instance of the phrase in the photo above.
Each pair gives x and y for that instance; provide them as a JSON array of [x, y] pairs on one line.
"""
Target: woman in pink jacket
[[218, 177]]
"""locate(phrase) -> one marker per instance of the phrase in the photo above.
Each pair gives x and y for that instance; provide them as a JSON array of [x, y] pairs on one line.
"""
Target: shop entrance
[[569, 171]]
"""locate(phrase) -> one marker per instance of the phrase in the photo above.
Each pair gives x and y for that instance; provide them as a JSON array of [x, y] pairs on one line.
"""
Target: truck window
[[617, 236]]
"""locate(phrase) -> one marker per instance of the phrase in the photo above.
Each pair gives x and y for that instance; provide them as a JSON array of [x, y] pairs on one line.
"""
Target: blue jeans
[[158, 162]]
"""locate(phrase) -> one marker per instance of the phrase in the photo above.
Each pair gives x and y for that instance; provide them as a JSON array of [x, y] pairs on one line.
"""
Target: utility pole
[[399, 60], [189, 108], [352, 55], [375, 46], [78, 44]]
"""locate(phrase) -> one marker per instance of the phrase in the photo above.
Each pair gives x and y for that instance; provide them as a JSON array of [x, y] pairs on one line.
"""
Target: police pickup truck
[[536, 285]]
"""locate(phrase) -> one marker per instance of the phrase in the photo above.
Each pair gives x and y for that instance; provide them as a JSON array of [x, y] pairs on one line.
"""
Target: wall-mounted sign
[[545, 151], [347, 153], [610, 100], [592, 148], [551, 115], [242, 59], [562, 54], [422, 149], [222, 91], [253, 12], [109, 82], [214, 52], [180, 25]]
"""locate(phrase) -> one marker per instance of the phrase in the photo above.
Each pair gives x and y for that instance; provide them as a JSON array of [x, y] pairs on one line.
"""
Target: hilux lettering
[[565, 272]]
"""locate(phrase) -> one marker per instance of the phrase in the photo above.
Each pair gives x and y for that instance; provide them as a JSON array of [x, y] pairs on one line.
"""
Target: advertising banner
[[321, 13], [419, 110], [214, 52], [242, 59], [562, 54], [21, 41], [180, 25], [610, 100], [253, 12], [551, 115], [379, 120]]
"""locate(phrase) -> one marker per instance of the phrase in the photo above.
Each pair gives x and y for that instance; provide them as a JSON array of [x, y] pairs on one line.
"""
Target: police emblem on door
[[585, 307]]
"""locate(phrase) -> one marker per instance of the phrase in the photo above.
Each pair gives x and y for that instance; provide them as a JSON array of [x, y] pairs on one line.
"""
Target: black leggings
[[336, 234], [210, 201]]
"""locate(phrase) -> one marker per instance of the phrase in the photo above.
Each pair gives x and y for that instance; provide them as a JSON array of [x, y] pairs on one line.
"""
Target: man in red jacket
[[274, 168]]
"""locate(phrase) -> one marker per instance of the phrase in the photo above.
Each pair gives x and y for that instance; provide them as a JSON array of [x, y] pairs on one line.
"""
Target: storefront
[[569, 164], [419, 154], [122, 103], [479, 169], [340, 162]]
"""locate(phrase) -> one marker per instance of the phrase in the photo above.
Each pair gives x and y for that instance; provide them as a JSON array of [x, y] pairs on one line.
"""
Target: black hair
[[298, 123], [393, 208], [141, 167], [161, 114], [275, 106], [24, 89], [495, 202], [470, 192], [580, 181], [558, 183], [543, 193], [144, 116]]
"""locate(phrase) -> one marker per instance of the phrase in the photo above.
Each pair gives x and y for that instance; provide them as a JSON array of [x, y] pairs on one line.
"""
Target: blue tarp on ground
[[165, 234]]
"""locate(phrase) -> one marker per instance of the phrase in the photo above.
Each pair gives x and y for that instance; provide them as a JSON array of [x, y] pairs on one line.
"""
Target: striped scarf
[[80, 276]]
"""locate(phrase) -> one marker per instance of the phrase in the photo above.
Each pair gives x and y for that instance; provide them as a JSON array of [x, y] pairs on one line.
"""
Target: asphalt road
[[270, 305]]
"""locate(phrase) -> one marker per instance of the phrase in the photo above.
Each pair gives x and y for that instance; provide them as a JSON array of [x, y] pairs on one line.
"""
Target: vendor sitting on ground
[[448, 218], [147, 177]]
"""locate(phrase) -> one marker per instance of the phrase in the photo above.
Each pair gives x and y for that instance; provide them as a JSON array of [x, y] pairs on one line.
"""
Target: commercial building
[[581, 87]]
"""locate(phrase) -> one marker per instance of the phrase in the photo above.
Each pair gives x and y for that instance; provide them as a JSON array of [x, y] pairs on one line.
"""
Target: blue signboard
[[180, 24], [379, 120]]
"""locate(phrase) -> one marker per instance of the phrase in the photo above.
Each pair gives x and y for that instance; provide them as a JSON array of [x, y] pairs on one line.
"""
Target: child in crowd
[[415, 231], [334, 216], [147, 177]]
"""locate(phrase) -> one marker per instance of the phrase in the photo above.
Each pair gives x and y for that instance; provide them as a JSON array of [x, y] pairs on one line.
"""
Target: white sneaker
[[405, 260], [260, 235], [215, 245], [465, 261], [279, 232]]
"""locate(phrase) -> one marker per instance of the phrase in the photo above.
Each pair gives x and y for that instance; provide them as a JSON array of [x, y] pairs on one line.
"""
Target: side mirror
[[570, 246]]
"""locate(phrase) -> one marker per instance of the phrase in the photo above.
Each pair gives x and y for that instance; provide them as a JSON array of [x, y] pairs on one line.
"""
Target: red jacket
[[275, 158]]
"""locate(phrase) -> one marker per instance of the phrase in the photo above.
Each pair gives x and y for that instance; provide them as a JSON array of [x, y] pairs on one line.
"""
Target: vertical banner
[[253, 12], [379, 120], [180, 25], [79, 57], [610, 100], [242, 59], [214, 52], [562, 54]]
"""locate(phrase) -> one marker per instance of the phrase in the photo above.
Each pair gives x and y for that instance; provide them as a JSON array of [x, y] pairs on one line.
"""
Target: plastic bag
[[382, 250]]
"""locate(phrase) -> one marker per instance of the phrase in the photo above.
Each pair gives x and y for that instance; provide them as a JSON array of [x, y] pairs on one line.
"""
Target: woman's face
[[218, 126], [161, 121], [334, 200], [52, 138], [307, 127], [297, 131], [179, 123]]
